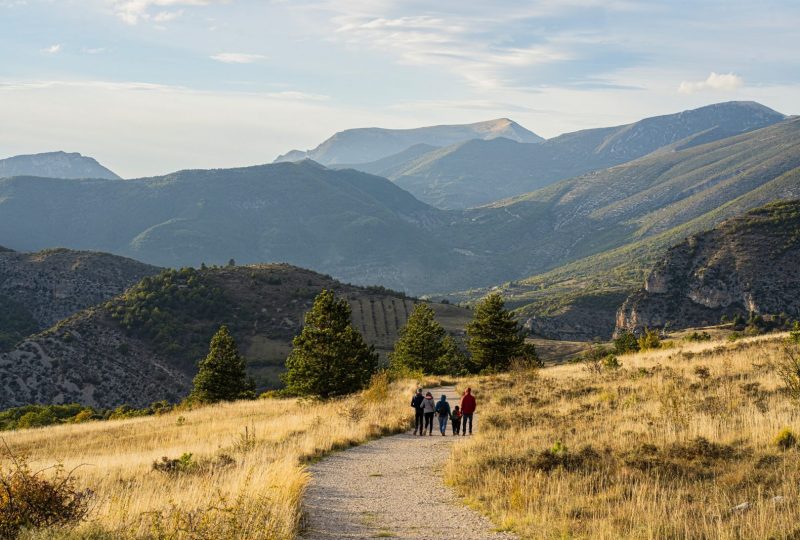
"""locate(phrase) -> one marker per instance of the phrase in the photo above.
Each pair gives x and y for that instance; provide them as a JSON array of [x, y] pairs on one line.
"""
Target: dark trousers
[[456, 425], [418, 420], [464, 419], [428, 422]]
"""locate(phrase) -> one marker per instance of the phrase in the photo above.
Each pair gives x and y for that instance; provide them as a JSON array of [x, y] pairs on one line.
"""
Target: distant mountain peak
[[365, 145], [58, 164]]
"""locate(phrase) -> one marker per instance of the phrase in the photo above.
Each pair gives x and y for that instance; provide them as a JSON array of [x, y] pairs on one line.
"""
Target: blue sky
[[152, 86]]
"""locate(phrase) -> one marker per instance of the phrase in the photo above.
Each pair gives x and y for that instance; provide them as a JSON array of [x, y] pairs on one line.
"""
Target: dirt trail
[[392, 488]]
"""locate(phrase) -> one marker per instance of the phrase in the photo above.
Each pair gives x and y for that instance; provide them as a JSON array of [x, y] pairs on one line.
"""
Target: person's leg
[[443, 424], [466, 418], [470, 423], [428, 423], [418, 422]]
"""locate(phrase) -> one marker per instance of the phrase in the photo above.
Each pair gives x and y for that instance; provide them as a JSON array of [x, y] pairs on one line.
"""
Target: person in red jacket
[[467, 410]]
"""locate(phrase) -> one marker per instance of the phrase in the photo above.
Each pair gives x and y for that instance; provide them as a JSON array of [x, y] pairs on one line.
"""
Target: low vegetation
[[694, 441], [232, 470]]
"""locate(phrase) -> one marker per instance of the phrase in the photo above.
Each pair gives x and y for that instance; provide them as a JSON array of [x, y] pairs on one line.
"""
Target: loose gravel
[[392, 488]]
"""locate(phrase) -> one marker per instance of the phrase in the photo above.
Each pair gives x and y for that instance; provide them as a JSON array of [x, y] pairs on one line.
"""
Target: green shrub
[[649, 340], [183, 464], [698, 337], [785, 439], [611, 363], [626, 343]]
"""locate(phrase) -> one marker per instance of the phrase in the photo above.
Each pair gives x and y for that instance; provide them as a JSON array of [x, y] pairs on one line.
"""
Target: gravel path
[[391, 488]]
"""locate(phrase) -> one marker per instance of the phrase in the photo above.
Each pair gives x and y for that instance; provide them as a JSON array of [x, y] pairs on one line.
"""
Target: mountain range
[[568, 253], [362, 145], [55, 165]]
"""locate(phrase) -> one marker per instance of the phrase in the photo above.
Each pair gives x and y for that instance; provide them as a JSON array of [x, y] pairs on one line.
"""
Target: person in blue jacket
[[443, 410]]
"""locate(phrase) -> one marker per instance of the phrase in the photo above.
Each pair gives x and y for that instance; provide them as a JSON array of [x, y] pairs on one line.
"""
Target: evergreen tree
[[494, 337], [420, 344], [222, 375], [329, 358], [453, 361]]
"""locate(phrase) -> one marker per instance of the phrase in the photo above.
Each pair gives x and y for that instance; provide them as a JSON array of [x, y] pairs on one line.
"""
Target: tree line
[[331, 358]]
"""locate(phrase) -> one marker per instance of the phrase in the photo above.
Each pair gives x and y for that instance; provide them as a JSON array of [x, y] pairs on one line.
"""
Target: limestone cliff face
[[747, 264]]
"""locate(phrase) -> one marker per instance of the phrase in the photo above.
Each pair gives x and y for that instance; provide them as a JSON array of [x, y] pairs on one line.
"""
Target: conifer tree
[[329, 358], [421, 341], [222, 375], [494, 337]]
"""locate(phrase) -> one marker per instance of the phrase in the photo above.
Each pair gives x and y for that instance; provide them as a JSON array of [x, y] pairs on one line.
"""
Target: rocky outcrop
[[747, 264]]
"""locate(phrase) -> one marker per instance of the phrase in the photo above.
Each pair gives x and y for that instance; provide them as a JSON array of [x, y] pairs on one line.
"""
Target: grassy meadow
[[676, 443], [245, 477]]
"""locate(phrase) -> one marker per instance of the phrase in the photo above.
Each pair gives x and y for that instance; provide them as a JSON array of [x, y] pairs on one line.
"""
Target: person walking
[[456, 419], [429, 409], [443, 408], [416, 403], [468, 406]]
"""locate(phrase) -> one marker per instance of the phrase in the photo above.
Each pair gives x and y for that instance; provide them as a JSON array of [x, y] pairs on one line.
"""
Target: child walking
[[456, 419]]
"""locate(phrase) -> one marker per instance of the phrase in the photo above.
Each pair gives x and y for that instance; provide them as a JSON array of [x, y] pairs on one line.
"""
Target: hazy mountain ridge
[[364, 145], [103, 356], [748, 264], [481, 172], [55, 165]]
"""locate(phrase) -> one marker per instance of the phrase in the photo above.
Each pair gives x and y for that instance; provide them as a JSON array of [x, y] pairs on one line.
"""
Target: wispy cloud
[[135, 11], [52, 49], [238, 58], [725, 82], [93, 50], [297, 96]]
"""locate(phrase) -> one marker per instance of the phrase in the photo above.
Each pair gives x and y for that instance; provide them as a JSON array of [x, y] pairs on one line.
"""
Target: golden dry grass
[[257, 494], [656, 449]]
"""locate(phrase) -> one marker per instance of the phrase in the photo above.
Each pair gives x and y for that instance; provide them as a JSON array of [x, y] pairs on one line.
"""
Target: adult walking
[[468, 406], [419, 416], [429, 409], [443, 409]]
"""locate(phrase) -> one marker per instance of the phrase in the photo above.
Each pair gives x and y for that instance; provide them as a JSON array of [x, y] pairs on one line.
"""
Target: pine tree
[[222, 375], [329, 358], [494, 337], [420, 344], [453, 361]]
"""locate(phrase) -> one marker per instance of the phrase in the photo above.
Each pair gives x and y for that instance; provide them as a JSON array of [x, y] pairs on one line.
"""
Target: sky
[[148, 87]]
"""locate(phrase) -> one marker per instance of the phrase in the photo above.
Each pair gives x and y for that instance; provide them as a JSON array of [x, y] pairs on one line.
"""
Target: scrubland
[[695, 441], [233, 470]]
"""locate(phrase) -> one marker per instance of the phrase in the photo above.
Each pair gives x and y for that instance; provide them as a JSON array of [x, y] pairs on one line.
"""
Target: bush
[[649, 340], [611, 363], [698, 336], [183, 464], [378, 389], [785, 439], [30, 501], [626, 343]]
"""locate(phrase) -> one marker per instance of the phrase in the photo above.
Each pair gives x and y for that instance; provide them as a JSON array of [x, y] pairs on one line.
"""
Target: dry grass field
[[677, 443], [245, 477]]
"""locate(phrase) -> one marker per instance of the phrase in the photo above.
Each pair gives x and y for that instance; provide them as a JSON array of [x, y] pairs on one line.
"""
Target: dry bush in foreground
[[215, 483], [683, 443]]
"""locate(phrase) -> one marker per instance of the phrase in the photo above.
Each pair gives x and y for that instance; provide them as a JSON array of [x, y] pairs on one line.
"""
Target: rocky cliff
[[747, 264]]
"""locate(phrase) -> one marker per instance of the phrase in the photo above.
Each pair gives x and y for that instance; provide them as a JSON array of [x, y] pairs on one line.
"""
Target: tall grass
[[245, 477], [684, 443]]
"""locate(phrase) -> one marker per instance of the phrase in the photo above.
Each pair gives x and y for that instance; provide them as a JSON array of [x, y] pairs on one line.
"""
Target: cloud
[[237, 58], [724, 82], [134, 11], [52, 49], [93, 50]]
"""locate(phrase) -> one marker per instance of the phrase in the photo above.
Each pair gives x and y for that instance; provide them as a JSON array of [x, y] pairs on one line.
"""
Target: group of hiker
[[459, 416]]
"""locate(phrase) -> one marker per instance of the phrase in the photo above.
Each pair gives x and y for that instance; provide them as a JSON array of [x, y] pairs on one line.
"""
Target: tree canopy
[[329, 358], [494, 337], [222, 375]]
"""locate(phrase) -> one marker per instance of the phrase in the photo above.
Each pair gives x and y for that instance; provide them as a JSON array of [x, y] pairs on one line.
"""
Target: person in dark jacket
[[416, 403], [456, 419], [468, 406], [443, 409], [429, 408]]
